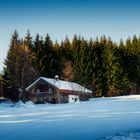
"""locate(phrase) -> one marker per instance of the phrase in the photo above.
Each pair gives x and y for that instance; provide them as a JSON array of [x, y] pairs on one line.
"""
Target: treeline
[[105, 67]]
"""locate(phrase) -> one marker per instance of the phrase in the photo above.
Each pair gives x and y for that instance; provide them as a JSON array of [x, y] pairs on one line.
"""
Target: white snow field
[[115, 118]]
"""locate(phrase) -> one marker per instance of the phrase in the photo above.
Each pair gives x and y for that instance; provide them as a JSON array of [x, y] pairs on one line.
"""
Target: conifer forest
[[100, 64]]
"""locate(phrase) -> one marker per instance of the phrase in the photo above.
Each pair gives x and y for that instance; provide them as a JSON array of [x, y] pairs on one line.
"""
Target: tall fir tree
[[29, 73], [11, 66], [18, 64], [117, 76], [36, 54]]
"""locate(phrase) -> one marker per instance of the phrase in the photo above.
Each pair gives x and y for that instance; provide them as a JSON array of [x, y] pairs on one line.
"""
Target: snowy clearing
[[116, 118]]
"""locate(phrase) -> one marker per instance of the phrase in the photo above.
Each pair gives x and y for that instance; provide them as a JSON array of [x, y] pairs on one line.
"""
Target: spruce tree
[[117, 77], [11, 64], [47, 60], [76, 59], [36, 54], [18, 66], [99, 68], [29, 73]]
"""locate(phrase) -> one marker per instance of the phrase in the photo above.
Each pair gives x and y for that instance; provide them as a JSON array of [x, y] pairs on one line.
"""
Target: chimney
[[56, 77]]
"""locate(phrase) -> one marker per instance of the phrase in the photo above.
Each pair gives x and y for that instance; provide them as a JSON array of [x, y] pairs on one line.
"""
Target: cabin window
[[38, 90], [50, 90], [41, 88]]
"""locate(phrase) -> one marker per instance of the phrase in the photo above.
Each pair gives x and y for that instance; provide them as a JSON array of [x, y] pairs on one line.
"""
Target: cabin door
[[73, 98]]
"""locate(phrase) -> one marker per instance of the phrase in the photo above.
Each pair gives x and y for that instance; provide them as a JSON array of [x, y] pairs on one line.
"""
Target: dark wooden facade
[[43, 92]]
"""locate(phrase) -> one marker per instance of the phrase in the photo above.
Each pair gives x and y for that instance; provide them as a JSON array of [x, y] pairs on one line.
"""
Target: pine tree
[[18, 64], [7, 88], [47, 58], [99, 68], [117, 77], [11, 63], [66, 45], [29, 73], [121, 44], [76, 59], [36, 54], [131, 62], [136, 61], [89, 64], [58, 59], [134, 42]]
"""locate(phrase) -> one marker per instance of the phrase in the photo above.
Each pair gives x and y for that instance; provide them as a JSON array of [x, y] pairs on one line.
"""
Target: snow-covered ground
[[98, 119]]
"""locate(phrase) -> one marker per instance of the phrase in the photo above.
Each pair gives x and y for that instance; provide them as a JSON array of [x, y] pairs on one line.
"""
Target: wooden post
[[58, 96]]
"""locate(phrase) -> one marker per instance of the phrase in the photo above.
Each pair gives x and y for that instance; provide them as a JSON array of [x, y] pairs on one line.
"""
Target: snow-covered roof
[[63, 85]]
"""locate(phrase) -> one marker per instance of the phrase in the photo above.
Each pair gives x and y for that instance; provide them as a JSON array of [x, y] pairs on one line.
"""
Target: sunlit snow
[[116, 118]]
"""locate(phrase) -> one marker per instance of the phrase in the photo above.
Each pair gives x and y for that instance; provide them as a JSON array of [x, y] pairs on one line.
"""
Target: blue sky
[[88, 18]]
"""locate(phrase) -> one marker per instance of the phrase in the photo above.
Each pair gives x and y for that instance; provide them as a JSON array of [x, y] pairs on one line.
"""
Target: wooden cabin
[[57, 91]]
